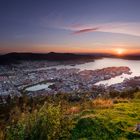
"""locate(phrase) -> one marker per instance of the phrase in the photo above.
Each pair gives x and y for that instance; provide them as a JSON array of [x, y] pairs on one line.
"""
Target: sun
[[120, 51]]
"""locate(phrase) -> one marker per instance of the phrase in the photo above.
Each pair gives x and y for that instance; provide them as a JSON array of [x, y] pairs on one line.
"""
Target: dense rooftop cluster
[[16, 78]]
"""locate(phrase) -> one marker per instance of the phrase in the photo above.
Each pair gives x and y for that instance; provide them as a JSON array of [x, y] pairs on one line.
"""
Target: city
[[69, 69], [16, 79]]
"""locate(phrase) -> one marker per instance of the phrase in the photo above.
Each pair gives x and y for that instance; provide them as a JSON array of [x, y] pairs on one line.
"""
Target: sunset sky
[[87, 26]]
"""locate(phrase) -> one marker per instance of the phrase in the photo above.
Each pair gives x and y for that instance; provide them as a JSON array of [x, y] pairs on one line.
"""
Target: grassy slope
[[117, 121], [99, 119]]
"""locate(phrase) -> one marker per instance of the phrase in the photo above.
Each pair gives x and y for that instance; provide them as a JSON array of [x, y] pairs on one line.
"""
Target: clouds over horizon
[[125, 28]]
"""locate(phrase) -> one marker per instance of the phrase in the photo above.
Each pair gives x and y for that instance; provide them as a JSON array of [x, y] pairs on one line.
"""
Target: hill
[[59, 117], [17, 57]]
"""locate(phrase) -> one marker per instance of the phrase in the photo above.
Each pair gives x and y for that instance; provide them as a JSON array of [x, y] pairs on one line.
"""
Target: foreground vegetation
[[65, 117]]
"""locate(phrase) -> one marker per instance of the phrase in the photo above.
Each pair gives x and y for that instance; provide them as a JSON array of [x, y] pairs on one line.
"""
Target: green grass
[[117, 122], [99, 119]]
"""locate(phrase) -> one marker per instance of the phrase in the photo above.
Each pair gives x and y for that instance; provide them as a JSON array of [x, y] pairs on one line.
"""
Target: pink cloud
[[86, 30], [128, 28]]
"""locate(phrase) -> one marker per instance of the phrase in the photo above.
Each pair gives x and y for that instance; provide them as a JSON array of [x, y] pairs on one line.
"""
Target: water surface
[[39, 87], [134, 65]]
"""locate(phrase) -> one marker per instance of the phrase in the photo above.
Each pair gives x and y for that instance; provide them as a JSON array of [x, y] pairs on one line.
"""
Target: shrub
[[102, 103], [1, 134], [91, 128], [49, 123], [120, 100], [133, 136], [137, 95], [73, 110]]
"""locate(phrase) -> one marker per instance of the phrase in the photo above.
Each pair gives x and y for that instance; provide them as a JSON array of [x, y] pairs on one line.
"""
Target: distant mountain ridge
[[15, 57], [52, 56]]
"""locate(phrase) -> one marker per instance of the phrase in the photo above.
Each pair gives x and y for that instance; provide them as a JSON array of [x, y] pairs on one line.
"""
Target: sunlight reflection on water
[[134, 66]]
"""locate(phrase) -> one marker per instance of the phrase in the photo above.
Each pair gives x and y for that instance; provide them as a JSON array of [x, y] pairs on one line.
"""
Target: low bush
[[102, 103], [137, 95], [91, 128], [48, 123]]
